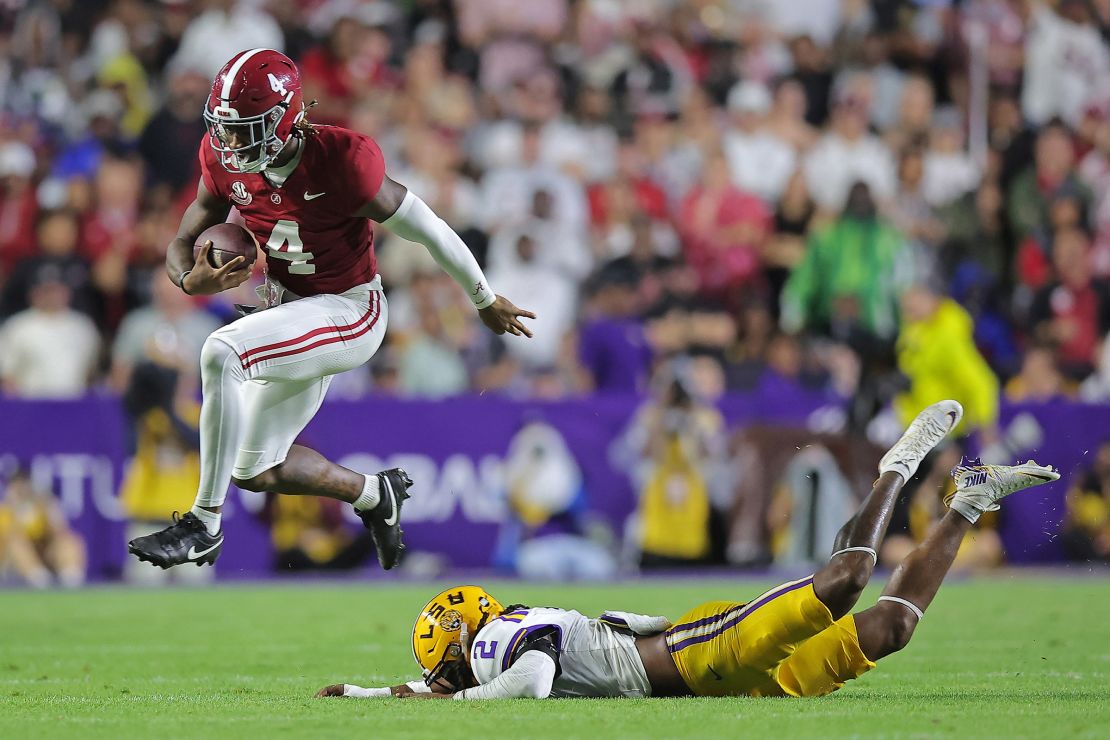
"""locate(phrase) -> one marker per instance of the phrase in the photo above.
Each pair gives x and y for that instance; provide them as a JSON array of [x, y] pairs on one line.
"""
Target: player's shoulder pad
[[355, 161], [343, 139], [544, 638]]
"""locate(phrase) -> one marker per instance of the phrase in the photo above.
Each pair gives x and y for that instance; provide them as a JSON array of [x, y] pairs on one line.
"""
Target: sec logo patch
[[239, 193], [275, 199]]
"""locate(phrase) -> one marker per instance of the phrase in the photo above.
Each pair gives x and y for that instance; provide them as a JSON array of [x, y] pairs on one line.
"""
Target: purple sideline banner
[[454, 449]]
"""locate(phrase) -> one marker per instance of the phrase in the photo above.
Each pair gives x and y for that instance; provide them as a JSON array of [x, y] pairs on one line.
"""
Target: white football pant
[[264, 377]]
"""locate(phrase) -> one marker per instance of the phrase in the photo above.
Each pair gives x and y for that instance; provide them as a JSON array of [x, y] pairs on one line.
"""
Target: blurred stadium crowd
[[815, 189], [889, 201]]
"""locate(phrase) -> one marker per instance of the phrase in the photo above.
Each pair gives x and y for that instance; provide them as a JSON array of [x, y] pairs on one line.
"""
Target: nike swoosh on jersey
[[392, 518], [193, 554], [312, 196]]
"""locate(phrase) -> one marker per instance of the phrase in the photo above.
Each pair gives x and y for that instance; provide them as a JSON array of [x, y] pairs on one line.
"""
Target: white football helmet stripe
[[232, 73]]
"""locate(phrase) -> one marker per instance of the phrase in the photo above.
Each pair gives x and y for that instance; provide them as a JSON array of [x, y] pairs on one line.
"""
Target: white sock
[[211, 519], [369, 497], [964, 509], [900, 468]]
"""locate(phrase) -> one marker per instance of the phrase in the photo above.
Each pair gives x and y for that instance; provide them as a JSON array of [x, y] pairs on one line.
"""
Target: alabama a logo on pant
[[239, 193]]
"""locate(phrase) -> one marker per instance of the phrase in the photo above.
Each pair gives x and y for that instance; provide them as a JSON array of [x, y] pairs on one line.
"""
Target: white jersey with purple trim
[[597, 657]]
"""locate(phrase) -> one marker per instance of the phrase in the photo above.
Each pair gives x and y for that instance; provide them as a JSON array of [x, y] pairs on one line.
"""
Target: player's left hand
[[336, 689], [502, 316]]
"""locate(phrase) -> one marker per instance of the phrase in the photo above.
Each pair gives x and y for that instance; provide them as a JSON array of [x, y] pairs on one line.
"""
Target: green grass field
[[1014, 656]]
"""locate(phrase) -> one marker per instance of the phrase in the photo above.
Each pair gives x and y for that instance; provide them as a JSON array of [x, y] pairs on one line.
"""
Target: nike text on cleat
[[980, 487], [185, 541], [384, 520], [924, 433]]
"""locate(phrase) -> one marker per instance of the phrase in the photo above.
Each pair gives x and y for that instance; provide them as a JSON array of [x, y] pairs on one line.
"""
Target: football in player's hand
[[228, 242]]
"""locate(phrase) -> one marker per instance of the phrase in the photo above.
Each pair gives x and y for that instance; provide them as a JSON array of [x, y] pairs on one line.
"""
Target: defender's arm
[[404, 213], [358, 692], [197, 276], [530, 677]]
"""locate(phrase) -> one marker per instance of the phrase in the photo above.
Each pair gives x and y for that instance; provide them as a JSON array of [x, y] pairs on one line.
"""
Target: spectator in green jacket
[[851, 276]]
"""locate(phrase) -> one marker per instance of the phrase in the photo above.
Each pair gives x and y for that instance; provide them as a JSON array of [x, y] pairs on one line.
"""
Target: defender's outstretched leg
[[839, 584], [887, 627]]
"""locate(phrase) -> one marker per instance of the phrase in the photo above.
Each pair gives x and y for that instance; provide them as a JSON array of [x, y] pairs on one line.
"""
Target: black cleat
[[185, 541], [384, 520]]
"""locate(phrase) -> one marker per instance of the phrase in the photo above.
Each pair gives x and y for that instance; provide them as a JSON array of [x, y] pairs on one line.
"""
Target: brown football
[[228, 242]]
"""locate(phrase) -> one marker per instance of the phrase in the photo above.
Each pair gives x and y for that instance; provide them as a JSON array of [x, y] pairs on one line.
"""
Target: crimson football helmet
[[253, 107]]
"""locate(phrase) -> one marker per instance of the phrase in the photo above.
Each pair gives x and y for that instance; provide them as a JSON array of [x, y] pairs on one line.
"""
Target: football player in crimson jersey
[[308, 194]]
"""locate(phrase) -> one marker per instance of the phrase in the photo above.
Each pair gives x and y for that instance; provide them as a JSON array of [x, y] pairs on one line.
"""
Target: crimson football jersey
[[313, 241]]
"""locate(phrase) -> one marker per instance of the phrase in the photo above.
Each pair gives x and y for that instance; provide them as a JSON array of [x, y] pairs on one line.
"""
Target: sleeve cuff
[[358, 692], [482, 296]]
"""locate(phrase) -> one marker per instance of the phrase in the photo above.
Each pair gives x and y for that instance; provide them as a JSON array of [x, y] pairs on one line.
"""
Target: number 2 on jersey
[[285, 244]]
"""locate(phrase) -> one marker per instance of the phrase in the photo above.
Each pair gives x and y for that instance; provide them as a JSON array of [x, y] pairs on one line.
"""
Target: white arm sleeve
[[415, 221], [357, 692], [530, 677]]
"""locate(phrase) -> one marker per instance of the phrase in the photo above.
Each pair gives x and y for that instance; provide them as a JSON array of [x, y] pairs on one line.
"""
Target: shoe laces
[[188, 520], [920, 443]]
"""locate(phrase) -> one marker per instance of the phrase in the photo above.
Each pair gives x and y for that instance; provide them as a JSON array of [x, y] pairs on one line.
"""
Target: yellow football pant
[[784, 643]]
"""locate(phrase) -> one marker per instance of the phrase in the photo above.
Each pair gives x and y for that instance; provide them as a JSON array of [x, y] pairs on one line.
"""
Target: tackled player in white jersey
[[797, 639]]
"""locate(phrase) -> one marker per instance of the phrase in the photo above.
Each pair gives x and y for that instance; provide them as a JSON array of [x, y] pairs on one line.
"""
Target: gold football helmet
[[441, 635]]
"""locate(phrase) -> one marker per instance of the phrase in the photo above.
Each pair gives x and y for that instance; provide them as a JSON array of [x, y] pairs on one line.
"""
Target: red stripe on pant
[[314, 333], [334, 333]]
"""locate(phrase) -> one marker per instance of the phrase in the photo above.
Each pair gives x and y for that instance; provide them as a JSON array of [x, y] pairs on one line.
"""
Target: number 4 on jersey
[[285, 244]]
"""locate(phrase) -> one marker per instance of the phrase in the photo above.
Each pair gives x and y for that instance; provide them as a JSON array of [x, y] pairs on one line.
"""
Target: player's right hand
[[502, 316], [204, 279], [336, 689]]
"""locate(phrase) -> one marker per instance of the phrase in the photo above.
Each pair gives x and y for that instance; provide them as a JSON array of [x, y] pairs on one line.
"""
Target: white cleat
[[980, 487], [924, 433]]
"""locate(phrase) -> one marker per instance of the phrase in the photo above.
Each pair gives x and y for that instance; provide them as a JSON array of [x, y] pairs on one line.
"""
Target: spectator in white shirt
[[950, 172], [528, 275], [760, 161], [48, 350], [846, 154], [1066, 59], [226, 28], [559, 248], [507, 192]]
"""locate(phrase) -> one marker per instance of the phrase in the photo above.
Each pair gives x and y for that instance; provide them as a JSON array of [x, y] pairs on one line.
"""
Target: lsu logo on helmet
[[441, 635], [451, 621]]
